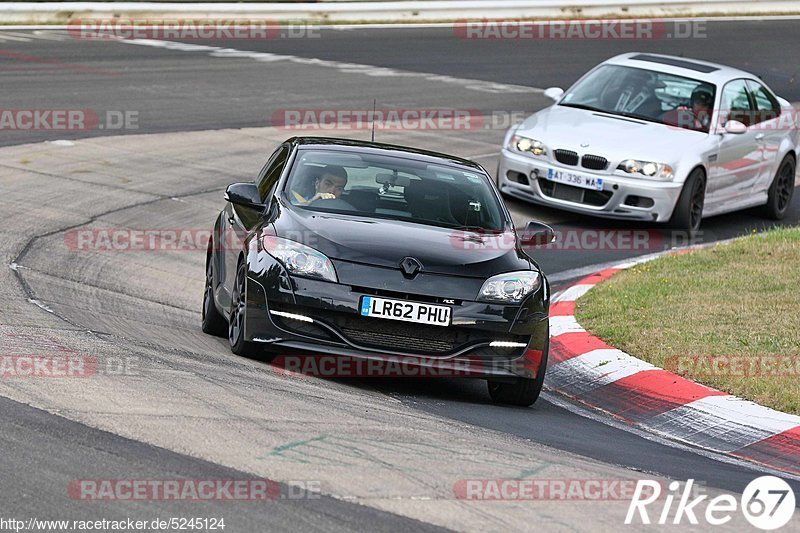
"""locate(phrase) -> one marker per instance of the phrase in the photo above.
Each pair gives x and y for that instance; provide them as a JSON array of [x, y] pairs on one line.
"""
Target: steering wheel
[[332, 203]]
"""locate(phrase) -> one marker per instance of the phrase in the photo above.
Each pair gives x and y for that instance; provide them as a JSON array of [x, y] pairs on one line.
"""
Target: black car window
[[394, 187], [637, 93], [767, 106], [271, 173], [735, 103]]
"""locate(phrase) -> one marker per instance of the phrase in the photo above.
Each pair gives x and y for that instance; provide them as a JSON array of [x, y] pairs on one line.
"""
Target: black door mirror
[[244, 194], [537, 234]]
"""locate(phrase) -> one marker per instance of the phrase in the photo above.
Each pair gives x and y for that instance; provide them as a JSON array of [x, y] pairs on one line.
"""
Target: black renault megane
[[372, 251]]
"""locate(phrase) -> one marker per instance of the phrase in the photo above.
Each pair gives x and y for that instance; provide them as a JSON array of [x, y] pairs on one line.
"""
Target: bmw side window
[[735, 103], [271, 172], [767, 106]]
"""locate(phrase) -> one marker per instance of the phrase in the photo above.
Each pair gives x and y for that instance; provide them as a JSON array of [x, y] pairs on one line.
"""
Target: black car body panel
[[367, 255]]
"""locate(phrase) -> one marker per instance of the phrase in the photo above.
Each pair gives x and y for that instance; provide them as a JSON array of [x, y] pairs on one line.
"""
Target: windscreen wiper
[[586, 107]]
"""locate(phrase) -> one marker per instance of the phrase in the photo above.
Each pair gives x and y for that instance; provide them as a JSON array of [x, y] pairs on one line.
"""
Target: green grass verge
[[727, 316]]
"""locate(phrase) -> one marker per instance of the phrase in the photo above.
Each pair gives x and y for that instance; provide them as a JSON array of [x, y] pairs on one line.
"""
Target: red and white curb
[[584, 368]]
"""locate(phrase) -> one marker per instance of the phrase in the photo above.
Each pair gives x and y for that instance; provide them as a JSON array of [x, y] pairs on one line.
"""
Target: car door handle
[[231, 220], [759, 136]]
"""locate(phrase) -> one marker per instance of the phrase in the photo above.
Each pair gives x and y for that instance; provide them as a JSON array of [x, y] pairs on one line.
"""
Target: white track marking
[[575, 292], [564, 324], [723, 423], [50, 35], [596, 369], [11, 37], [648, 434]]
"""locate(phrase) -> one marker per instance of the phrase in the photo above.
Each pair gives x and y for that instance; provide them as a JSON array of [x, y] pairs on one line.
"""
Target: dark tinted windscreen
[[389, 187]]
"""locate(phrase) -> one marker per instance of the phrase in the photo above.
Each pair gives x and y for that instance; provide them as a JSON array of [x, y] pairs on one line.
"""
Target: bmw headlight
[[510, 288], [650, 169], [526, 145], [299, 259]]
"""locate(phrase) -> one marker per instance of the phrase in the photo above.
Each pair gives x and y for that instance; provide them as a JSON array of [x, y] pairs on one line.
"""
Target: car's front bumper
[[614, 201], [332, 323]]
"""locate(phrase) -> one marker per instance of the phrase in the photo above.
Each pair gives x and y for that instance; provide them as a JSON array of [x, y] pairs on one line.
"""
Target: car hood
[[385, 243], [615, 138]]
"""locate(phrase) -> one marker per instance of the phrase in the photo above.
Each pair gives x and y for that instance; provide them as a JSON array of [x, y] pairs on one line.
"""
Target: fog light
[[639, 201]]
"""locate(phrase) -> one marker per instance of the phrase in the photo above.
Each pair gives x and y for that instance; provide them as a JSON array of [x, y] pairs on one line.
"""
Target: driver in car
[[698, 117], [327, 186]]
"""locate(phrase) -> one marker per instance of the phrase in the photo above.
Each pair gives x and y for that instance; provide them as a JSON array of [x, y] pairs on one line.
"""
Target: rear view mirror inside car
[[393, 180]]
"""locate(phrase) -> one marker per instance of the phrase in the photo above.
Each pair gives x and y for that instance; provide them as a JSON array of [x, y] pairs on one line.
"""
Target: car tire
[[522, 392], [236, 339], [213, 322], [688, 211], [779, 197]]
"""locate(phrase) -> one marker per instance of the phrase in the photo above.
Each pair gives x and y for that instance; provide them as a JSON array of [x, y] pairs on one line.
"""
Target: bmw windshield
[[398, 188], [644, 94]]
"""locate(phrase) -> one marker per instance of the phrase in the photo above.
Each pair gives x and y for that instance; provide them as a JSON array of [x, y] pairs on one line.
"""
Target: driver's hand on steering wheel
[[322, 196]]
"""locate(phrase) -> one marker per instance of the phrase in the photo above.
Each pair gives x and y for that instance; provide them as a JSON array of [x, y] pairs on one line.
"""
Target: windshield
[[389, 187], [645, 94]]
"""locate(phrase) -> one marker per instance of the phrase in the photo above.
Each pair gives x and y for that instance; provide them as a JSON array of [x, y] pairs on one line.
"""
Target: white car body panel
[[739, 167]]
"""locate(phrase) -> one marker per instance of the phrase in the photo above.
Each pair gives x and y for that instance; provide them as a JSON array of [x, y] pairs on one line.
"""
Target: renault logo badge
[[410, 267]]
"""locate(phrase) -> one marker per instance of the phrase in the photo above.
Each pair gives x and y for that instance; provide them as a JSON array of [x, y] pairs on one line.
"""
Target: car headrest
[[303, 180], [426, 191]]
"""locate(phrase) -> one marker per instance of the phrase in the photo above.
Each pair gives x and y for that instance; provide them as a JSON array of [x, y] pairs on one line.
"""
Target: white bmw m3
[[656, 138]]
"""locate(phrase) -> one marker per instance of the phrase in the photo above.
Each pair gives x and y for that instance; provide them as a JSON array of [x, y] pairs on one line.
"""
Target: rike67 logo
[[767, 503]]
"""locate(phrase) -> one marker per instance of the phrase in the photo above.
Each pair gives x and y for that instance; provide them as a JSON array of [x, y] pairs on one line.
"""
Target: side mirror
[[244, 194], [554, 93], [538, 234], [735, 127], [272, 211]]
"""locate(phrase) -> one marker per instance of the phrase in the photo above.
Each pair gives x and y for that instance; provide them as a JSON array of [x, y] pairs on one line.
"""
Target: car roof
[[352, 145], [681, 66]]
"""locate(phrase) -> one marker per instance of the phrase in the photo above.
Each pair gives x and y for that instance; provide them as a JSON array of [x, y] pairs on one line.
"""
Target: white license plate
[[577, 180], [437, 315]]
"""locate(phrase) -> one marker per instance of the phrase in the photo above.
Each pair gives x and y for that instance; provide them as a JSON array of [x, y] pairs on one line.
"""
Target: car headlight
[[526, 145], [511, 287], [651, 169], [299, 259]]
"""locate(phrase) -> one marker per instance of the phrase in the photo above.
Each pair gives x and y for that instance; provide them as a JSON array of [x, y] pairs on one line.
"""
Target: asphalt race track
[[168, 402]]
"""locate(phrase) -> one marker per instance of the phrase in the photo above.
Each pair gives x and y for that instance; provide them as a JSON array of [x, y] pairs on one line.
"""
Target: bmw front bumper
[[621, 198]]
